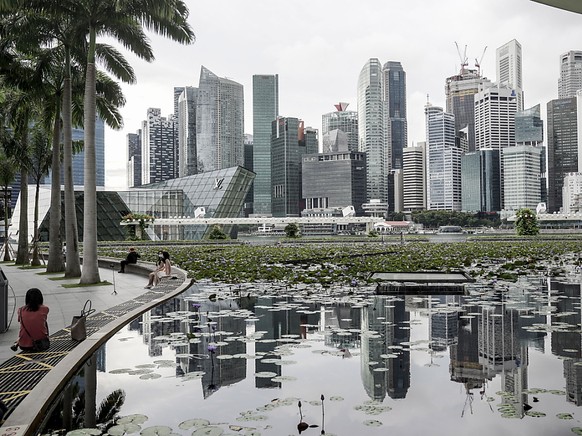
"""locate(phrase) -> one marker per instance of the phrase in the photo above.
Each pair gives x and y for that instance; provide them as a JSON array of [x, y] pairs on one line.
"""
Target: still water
[[263, 360]]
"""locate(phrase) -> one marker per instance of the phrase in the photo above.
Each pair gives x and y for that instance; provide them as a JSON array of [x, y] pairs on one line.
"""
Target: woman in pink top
[[33, 319], [163, 269]]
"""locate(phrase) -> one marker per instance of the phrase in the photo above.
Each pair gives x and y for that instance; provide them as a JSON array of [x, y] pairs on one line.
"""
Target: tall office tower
[[344, 121], [508, 62], [134, 159], [481, 181], [186, 116], [158, 150], [562, 147], [219, 122], [579, 125], [248, 159], [524, 165], [414, 177], [290, 140], [265, 111], [570, 79], [178, 90], [395, 191], [394, 79], [334, 179], [372, 130], [443, 161], [495, 110], [460, 93]]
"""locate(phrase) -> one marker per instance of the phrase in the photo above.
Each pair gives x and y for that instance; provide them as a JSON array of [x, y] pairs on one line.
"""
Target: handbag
[[42, 344], [79, 323]]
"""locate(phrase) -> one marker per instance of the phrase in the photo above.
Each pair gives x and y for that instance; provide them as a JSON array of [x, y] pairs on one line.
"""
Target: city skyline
[[319, 66]]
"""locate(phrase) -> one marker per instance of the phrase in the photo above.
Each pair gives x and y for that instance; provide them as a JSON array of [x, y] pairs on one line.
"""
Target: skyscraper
[[219, 122], [495, 110], [343, 120], [290, 140], [562, 147], [414, 177], [460, 93], [394, 79], [134, 159], [371, 128], [158, 148], [443, 161], [570, 79], [508, 63], [186, 117], [524, 165], [265, 111], [481, 181]]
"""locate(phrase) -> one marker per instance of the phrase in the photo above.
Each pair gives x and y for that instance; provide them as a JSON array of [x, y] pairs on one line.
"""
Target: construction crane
[[463, 57], [478, 62]]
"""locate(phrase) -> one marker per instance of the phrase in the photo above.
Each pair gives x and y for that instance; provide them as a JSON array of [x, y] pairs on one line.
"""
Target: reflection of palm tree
[[106, 413]]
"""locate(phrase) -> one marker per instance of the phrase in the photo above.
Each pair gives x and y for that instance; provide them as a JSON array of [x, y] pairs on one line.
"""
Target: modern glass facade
[[265, 111], [331, 180], [289, 142], [186, 116], [471, 182], [372, 130], [343, 120], [443, 161], [562, 147], [394, 78], [134, 159], [219, 193], [219, 122], [481, 181], [529, 127]]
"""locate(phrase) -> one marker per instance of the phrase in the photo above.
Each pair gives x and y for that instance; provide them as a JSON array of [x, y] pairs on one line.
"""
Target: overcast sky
[[318, 48]]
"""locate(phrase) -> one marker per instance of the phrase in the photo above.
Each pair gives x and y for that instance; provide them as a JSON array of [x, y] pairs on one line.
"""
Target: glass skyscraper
[[186, 117], [394, 78], [570, 79], [443, 161], [265, 111], [343, 120], [372, 130], [562, 147], [159, 156], [219, 122]]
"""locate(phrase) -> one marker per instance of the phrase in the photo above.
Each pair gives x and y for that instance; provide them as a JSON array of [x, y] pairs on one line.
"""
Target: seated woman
[[33, 320], [163, 268]]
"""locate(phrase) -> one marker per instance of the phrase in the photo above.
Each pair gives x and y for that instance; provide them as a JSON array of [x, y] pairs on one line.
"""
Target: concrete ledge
[[33, 409]]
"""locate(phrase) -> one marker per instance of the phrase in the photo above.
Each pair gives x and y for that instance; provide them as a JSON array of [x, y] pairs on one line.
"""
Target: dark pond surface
[[505, 359]]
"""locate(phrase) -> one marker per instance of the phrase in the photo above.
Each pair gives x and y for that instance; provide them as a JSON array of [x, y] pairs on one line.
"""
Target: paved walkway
[[21, 374]]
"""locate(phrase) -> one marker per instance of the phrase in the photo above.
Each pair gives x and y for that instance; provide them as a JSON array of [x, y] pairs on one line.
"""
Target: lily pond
[[275, 359]]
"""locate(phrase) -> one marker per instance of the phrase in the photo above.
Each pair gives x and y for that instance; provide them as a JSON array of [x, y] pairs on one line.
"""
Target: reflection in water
[[479, 357]]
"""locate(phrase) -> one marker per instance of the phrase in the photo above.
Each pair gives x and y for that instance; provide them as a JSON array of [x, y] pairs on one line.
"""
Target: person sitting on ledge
[[163, 269], [132, 257]]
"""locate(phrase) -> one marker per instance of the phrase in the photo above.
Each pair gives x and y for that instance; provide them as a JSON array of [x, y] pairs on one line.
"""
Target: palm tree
[[122, 20], [41, 159], [7, 174]]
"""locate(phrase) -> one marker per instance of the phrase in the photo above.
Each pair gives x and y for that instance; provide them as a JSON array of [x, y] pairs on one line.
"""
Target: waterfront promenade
[[21, 374]]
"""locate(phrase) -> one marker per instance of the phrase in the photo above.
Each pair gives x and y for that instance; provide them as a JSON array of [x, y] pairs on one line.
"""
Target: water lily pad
[[84, 432], [120, 371], [157, 430], [336, 398], [208, 431], [150, 376], [123, 429], [373, 423], [133, 419], [535, 414], [282, 378], [265, 374], [195, 422], [577, 430], [564, 416]]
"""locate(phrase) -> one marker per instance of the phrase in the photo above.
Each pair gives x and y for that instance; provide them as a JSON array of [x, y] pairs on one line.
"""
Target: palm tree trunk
[[6, 226], [22, 253], [73, 265], [35, 259], [55, 258], [90, 272]]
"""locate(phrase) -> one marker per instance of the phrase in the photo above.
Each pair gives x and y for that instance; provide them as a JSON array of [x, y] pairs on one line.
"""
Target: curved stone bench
[[39, 378]]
